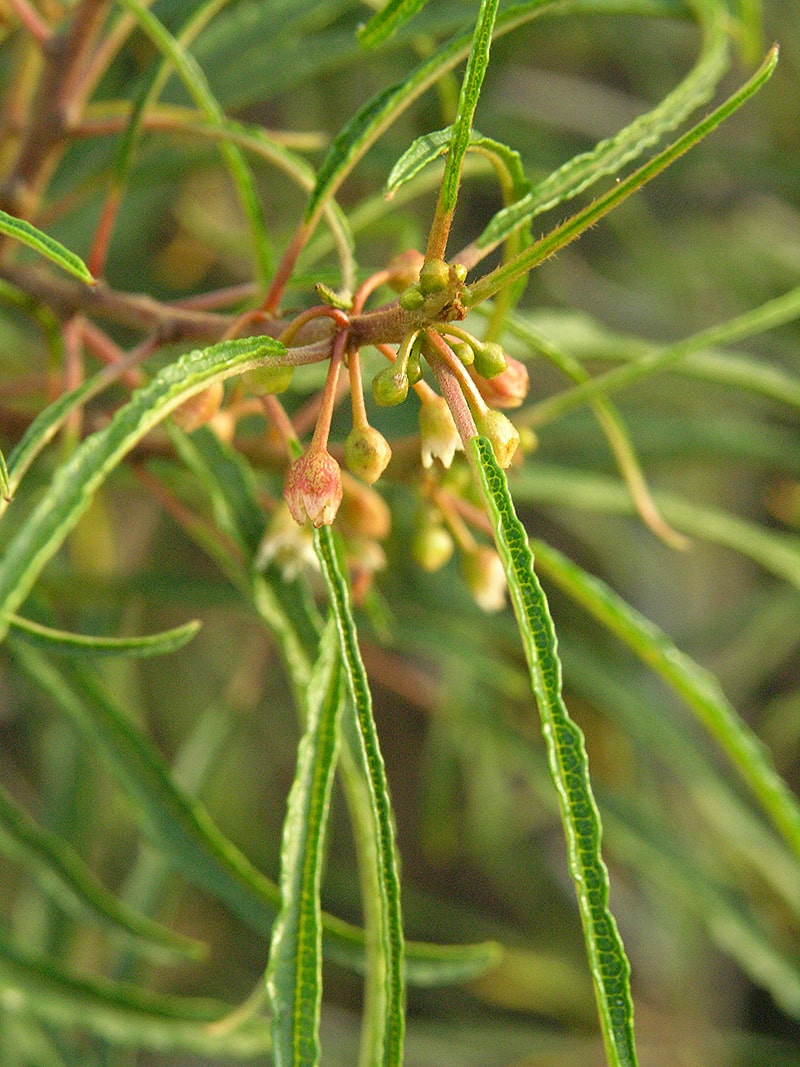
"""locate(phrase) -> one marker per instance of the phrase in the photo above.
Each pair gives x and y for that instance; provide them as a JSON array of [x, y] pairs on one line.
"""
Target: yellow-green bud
[[268, 379], [501, 432], [482, 570], [414, 366], [464, 351], [366, 453], [432, 547], [411, 299], [434, 276], [490, 360], [390, 386]]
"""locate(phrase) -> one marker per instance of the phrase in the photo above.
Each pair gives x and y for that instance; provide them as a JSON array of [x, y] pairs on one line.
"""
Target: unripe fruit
[[366, 453], [434, 276], [490, 360], [390, 386], [432, 547]]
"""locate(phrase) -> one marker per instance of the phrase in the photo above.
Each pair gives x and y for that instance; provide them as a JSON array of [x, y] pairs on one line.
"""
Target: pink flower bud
[[439, 437], [507, 389], [313, 488], [482, 570]]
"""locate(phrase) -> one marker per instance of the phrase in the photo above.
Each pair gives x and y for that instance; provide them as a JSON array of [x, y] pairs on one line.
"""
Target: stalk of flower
[[313, 487], [366, 450]]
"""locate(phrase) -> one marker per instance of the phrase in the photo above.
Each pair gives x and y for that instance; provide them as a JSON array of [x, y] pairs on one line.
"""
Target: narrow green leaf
[[477, 63], [196, 83], [568, 764], [391, 925], [5, 484], [696, 686], [182, 829], [60, 872], [28, 235], [562, 235], [387, 21], [66, 643], [294, 976], [123, 1014], [77, 480], [610, 155]]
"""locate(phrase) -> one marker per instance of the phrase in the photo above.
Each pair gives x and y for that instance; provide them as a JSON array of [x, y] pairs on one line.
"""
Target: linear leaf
[[568, 764], [610, 155], [120, 1013], [391, 925], [294, 975], [562, 235], [62, 874], [77, 480], [29, 235], [696, 686], [5, 484], [424, 150], [182, 829], [387, 21], [65, 643]]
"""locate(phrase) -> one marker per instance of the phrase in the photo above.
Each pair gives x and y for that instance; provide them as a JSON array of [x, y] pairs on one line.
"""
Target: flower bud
[[439, 437], [414, 365], [434, 276], [501, 432], [464, 351], [490, 360], [367, 453], [482, 571], [411, 299], [313, 488], [508, 388], [200, 408], [432, 547], [364, 513], [267, 379], [390, 386], [404, 269]]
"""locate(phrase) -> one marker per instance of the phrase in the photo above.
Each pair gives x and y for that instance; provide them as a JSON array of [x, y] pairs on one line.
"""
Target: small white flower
[[439, 437], [289, 546]]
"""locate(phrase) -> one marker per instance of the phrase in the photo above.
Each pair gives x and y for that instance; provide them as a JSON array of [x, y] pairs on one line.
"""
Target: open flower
[[291, 549], [439, 437], [313, 488]]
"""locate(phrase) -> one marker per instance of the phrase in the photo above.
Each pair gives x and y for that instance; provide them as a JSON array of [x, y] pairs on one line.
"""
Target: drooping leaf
[[388, 879], [123, 1014], [62, 642], [567, 761], [51, 249], [182, 829], [294, 975], [60, 872]]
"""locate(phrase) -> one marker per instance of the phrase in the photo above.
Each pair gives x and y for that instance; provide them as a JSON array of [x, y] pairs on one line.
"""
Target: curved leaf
[[123, 1014], [60, 872], [182, 829], [28, 235], [388, 878], [78, 479], [65, 643], [568, 764], [294, 976]]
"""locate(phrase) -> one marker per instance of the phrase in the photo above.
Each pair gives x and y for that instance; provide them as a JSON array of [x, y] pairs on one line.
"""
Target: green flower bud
[[460, 272], [411, 299], [268, 379], [501, 432], [366, 453], [490, 359], [434, 276], [464, 351], [414, 366], [432, 547], [390, 386]]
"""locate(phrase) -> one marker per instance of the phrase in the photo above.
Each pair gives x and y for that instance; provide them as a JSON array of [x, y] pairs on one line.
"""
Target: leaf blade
[[66, 643], [47, 246], [568, 764]]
